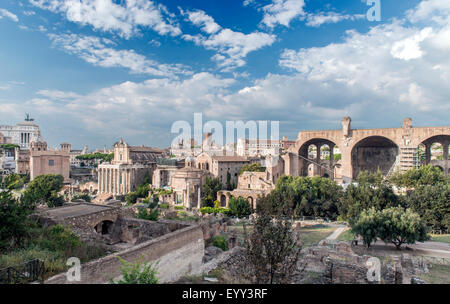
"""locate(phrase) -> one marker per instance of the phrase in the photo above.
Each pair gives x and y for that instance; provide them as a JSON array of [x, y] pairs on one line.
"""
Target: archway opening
[[325, 152], [104, 227], [372, 154], [223, 200], [312, 151]]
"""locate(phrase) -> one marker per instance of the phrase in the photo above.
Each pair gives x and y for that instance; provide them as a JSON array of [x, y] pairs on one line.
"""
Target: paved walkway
[[336, 233]]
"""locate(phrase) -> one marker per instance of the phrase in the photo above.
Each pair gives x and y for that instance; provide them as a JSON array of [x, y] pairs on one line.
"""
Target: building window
[[51, 162]]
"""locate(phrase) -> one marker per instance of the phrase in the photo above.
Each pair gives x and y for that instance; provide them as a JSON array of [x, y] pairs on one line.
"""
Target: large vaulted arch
[[373, 153]]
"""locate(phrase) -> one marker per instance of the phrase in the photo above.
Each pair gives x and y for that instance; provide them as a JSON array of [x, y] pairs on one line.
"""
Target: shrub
[[367, 226], [178, 207], [141, 272], [240, 207], [13, 221], [164, 206], [44, 189], [220, 242], [148, 214], [208, 210], [131, 198], [400, 226]]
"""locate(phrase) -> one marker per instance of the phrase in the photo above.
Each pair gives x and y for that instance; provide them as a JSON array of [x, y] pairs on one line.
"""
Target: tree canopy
[[240, 207], [314, 196], [425, 175], [44, 190], [210, 189]]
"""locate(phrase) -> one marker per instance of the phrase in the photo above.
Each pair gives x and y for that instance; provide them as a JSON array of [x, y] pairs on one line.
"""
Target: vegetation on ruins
[[140, 272], [53, 245], [96, 156], [141, 192], [220, 241], [240, 207], [8, 146], [44, 190], [150, 214], [210, 189], [255, 167], [392, 225], [272, 247]]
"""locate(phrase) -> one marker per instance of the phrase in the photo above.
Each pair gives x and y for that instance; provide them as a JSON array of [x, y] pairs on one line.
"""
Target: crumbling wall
[[179, 253]]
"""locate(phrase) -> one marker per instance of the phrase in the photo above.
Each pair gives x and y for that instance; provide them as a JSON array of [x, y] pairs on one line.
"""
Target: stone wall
[[136, 231], [179, 253]]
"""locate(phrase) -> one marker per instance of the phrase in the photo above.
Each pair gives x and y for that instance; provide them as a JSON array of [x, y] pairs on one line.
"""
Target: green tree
[[367, 225], [44, 190], [141, 272], [240, 207], [16, 181], [210, 189], [400, 226], [272, 247], [131, 198], [432, 203], [311, 196], [151, 214], [371, 190], [425, 175], [14, 221], [142, 190]]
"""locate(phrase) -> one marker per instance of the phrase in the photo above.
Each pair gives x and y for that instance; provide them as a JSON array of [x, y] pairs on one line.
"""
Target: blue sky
[[92, 71]]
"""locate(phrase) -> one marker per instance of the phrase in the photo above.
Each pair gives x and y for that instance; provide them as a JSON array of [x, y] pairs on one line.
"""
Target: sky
[[92, 71]]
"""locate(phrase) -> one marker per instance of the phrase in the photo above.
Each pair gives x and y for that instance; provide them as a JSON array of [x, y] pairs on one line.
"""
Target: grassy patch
[[439, 274], [312, 236], [444, 238], [346, 236]]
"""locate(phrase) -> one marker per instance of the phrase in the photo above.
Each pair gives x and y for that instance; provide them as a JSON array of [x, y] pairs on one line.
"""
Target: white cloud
[[436, 10], [376, 70], [409, 48], [199, 18], [316, 20], [361, 76], [100, 52], [282, 12], [8, 14], [232, 47], [107, 15]]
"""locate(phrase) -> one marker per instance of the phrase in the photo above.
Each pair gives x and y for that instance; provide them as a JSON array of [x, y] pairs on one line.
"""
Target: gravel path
[[336, 233]]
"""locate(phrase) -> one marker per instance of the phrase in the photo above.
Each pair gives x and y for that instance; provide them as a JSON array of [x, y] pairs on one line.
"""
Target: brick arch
[[301, 144], [437, 139], [380, 142], [423, 134]]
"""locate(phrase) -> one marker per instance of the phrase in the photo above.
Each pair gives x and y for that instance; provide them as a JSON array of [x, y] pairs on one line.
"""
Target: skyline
[[93, 74]]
